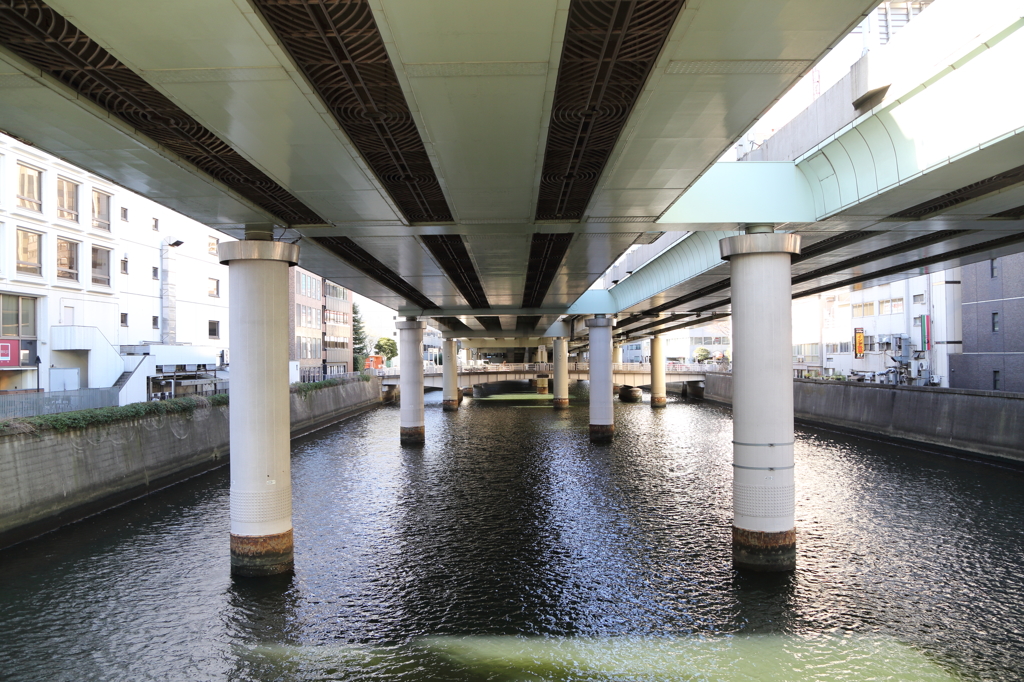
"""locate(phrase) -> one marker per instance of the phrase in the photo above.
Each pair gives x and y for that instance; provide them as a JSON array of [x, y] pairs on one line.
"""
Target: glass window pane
[[28, 253], [67, 200], [10, 316], [29, 185], [101, 210], [100, 266], [67, 260], [28, 316]]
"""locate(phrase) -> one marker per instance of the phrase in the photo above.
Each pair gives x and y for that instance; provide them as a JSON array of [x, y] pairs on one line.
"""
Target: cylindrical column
[[410, 348], [450, 375], [602, 415], [542, 379], [763, 534], [658, 395], [561, 371], [260, 420], [617, 354]]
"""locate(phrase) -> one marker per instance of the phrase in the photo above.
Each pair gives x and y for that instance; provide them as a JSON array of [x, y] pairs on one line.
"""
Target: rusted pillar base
[[260, 555], [658, 401], [461, 393], [450, 406], [561, 402], [411, 435], [533, 383], [754, 550], [630, 394], [601, 433], [616, 388]]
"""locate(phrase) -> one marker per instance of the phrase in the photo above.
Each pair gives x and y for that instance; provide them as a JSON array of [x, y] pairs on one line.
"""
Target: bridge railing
[[640, 367]]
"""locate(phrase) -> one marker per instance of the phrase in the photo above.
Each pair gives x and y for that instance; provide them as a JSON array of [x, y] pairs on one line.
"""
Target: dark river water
[[510, 548]]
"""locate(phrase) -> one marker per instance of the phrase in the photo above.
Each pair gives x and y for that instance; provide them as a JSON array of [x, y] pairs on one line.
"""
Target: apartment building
[[321, 326]]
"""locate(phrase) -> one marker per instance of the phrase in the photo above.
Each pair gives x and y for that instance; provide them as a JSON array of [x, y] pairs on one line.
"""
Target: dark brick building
[[993, 327]]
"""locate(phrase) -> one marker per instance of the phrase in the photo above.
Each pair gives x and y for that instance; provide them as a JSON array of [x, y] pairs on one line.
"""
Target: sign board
[[858, 342], [10, 353]]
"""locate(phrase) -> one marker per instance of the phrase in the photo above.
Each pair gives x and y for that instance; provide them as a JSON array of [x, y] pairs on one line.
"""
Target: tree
[[386, 347], [359, 349], [702, 354]]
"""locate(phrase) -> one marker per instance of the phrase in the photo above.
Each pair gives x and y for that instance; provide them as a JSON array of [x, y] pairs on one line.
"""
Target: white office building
[[99, 286]]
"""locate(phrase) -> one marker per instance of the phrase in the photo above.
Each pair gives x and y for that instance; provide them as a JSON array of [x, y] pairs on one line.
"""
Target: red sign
[[10, 353]]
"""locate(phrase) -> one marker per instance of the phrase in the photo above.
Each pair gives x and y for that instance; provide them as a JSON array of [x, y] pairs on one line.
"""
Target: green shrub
[[304, 389], [219, 399], [82, 419]]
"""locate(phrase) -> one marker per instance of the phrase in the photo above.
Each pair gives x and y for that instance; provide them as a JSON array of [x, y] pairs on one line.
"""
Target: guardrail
[[54, 402], [670, 368]]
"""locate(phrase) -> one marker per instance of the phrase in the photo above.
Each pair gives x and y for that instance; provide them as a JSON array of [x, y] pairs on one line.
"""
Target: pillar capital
[[760, 242], [601, 322], [410, 324], [252, 249]]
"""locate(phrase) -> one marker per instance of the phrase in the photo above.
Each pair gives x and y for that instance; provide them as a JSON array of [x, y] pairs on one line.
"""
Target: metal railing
[[54, 402], [670, 368]]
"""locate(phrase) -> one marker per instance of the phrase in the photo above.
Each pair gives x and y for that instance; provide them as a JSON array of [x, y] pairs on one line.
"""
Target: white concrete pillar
[[764, 535], [450, 374], [602, 415], [561, 372], [617, 354], [658, 395], [260, 421], [410, 349], [542, 379]]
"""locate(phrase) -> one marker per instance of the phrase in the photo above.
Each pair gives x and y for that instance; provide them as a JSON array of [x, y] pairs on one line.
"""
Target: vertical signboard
[[858, 342], [10, 353]]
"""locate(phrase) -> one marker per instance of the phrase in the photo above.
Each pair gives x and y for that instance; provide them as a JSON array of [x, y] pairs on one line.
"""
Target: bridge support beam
[[410, 348], [658, 394], [561, 353], [763, 533], [602, 410], [450, 375], [260, 422]]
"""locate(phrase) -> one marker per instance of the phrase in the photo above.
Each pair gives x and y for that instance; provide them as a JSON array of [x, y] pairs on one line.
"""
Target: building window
[[124, 266], [858, 310], [100, 266], [869, 309], [995, 322], [993, 271], [30, 188], [67, 200], [214, 329], [996, 383], [100, 210], [156, 322], [214, 288], [124, 213], [844, 346], [67, 259], [897, 305], [918, 298], [18, 316], [29, 258], [156, 273], [124, 319], [156, 224], [884, 307], [211, 246]]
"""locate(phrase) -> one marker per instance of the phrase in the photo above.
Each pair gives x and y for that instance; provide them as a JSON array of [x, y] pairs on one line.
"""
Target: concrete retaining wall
[[50, 478], [986, 423]]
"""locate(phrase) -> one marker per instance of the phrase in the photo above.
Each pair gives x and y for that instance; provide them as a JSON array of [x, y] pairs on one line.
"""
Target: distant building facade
[[321, 326], [993, 327]]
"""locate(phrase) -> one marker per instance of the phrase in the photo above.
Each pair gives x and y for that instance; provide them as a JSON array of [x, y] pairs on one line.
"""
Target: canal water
[[510, 548]]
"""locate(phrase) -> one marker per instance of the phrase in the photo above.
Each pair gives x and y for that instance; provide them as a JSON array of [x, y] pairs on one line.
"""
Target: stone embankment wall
[[51, 478], [986, 423]]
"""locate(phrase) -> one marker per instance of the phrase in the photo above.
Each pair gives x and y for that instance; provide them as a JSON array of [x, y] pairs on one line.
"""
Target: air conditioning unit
[[800, 359]]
